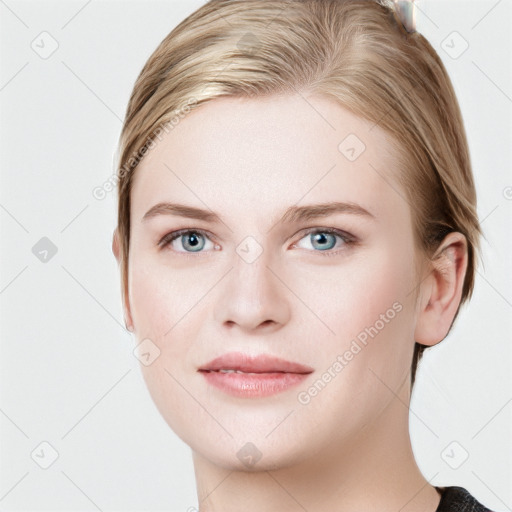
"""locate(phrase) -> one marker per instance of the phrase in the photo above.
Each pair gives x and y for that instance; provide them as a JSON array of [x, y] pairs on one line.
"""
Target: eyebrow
[[293, 214]]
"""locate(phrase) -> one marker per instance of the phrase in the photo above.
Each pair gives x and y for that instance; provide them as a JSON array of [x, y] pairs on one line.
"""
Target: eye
[[195, 240], [324, 240], [192, 240]]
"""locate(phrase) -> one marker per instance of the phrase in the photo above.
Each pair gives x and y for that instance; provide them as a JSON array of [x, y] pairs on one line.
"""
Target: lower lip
[[248, 385]]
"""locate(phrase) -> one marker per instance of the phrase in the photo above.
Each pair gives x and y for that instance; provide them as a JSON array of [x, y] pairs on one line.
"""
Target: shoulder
[[457, 499]]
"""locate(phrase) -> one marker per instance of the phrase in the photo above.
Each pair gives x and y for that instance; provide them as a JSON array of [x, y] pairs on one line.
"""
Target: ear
[[116, 249], [441, 291]]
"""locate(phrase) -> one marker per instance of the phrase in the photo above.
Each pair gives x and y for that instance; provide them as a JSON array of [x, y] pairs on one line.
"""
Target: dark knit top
[[457, 499]]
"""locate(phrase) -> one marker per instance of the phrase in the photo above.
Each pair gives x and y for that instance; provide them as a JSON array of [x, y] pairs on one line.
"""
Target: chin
[[241, 454]]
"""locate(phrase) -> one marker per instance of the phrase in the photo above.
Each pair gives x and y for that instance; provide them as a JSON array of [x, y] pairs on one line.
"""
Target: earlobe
[[115, 245], [441, 291]]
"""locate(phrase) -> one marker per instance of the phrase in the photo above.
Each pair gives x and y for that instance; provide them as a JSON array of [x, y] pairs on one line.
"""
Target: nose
[[253, 296]]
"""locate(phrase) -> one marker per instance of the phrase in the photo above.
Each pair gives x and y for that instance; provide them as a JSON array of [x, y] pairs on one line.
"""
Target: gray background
[[68, 374]]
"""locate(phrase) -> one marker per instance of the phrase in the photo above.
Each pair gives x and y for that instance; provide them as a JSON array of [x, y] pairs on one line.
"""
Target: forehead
[[235, 155]]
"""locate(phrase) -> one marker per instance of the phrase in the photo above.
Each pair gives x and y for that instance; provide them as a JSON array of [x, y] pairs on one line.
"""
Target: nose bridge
[[252, 295], [251, 267]]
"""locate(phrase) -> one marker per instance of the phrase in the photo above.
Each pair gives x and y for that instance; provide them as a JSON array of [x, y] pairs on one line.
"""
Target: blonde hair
[[355, 52]]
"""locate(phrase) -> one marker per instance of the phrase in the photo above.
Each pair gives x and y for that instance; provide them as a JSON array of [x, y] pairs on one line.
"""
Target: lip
[[263, 375], [254, 364]]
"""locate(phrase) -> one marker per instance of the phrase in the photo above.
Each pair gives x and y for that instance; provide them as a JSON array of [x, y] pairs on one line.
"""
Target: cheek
[[368, 307], [157, 297], [352, 296], [371, 312], [160, 313], [169, 306]]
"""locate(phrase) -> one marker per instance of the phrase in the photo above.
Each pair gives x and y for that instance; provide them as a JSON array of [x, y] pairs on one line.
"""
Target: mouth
[[245, 376]]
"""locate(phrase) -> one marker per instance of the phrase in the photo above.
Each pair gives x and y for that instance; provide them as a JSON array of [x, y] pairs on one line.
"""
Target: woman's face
[[254, 281]]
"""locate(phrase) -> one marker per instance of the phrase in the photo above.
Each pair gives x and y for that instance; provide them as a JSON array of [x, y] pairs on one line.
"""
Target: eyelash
[[347, 239]]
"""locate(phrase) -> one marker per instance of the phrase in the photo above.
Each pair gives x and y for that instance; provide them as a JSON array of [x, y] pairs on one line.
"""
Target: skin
[[248, 160]]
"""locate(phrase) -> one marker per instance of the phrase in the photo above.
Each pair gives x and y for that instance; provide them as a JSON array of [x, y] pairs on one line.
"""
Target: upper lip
[[254, 364]]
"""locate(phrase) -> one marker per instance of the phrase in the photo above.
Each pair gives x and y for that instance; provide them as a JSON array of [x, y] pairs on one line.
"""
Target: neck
[[374, 471]]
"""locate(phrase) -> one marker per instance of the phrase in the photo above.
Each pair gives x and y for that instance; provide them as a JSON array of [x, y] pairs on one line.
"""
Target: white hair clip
[[406, 13]]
